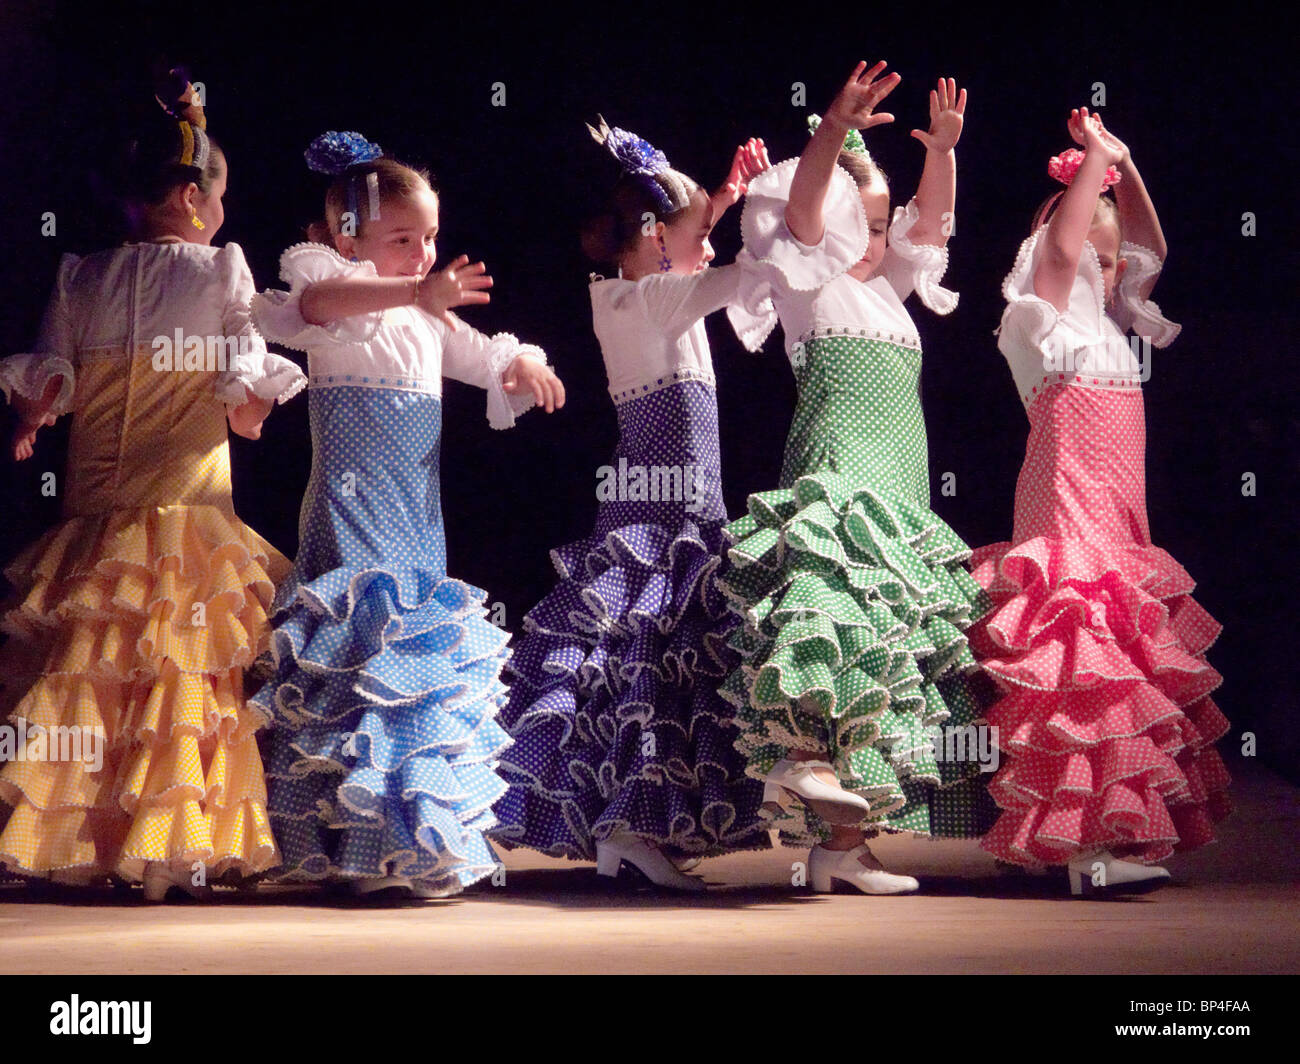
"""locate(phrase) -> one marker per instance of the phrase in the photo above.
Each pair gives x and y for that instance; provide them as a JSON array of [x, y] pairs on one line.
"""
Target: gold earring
[[196, 222]]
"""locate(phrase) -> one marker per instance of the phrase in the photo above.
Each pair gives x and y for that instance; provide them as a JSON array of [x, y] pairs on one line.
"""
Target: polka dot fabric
[[613, 708], [134, 620], [1105, 719], [854, 598], [386, 683]]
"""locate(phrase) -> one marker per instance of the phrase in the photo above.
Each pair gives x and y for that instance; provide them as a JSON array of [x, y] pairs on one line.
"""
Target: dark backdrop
[[1204, 103]]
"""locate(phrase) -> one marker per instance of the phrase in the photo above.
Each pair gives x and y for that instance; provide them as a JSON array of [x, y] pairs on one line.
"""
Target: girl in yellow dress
[[126, 745]]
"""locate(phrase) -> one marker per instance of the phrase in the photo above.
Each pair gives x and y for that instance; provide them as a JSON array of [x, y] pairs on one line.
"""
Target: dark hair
[[396, 181], [612, 234], [862, 168], [151, 169]]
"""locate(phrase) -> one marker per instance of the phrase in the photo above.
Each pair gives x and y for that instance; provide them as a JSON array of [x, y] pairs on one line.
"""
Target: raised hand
[[458, 285], [525, 372], [749, 161], [1078, 123], [854, 107], [947, 112], [1096, 139]]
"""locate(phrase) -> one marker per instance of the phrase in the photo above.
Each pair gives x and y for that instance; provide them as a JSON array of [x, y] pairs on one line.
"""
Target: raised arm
[[852, 108], [1137, 214], [936, 195], [1064, 240], [457, 285]]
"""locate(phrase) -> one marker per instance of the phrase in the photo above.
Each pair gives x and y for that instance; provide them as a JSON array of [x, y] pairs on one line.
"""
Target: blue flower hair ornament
[[638, 158], [333, 152]]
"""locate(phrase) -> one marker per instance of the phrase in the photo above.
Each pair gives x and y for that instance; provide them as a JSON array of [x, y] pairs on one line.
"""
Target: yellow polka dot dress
[[123, 696]]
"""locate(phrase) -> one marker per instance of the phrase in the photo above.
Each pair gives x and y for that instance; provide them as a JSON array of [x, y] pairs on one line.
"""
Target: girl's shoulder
[[307, 262]]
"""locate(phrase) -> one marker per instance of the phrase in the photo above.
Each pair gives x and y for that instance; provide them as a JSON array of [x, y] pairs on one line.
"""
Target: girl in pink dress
[[1105, 722]]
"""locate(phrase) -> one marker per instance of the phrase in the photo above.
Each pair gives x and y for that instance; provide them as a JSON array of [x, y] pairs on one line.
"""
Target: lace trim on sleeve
[[279, 315], [502, 407], [1133, 313], [779, 257], [28, 374], [925, 263]]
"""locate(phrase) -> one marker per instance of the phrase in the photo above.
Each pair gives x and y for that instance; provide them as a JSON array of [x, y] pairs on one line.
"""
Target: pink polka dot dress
[[1105, 719]]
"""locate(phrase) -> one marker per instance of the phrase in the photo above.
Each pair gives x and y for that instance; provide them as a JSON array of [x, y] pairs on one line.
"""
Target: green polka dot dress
[[855, 596]]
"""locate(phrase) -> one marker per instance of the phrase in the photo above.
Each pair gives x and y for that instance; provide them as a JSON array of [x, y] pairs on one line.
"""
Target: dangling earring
[[196, 222], [665, 263]]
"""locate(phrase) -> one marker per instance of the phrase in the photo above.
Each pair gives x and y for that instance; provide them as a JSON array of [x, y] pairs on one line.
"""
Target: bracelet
[[415, 292]]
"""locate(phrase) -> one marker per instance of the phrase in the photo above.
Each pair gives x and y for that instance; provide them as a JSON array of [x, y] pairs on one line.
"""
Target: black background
[[1204, 102]]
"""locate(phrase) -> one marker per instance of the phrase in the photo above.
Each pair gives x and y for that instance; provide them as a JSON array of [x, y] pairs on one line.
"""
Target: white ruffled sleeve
[[1131, 311], [279, 314], [28, 374], [916, 267], [267, 375], [774, 262], [475, 358], [1034, 335], [752, 314]]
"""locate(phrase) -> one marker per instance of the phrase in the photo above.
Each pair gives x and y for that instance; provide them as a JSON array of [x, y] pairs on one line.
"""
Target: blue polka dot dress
[[614, 710], [387, 674]]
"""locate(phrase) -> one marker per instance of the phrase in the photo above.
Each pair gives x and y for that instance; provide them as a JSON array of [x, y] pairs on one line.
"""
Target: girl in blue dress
[[387, 672]]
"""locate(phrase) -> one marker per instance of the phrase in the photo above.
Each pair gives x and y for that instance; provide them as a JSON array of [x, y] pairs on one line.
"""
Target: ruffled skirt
[[1105, 718], [614, 710], [130, 740], [855, 597]]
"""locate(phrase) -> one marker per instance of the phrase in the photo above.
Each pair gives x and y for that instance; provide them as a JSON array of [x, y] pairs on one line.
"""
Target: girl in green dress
[[857, 677]]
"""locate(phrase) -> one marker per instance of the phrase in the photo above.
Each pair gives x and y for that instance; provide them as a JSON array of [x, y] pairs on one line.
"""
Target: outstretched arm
[[1054, 276], [936, 194], [853, 108], [343, 297]]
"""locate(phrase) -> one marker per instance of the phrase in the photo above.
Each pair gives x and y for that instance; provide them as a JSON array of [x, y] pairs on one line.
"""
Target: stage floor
[[1231, 908]]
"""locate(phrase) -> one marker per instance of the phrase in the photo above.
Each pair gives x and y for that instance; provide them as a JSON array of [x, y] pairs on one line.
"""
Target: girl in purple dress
[[623, 749]]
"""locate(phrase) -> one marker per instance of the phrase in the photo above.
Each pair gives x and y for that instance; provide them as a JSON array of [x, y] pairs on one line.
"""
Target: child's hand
[[749, 161], [854, 106], [947, 111], [456, 286], [1078, 125], [24, 438], [246, 419], [527, 372]]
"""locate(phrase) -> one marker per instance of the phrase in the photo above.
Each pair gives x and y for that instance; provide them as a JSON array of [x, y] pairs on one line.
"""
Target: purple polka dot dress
[[613, 708]]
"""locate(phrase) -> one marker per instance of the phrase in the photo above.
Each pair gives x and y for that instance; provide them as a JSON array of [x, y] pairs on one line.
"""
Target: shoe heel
[[607, 863], [821, 881], [1080, 883], [775, 801]]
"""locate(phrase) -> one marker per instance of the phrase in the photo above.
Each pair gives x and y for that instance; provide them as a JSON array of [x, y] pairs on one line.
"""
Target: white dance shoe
[[829, 801], [857, 867], [374, 884], [633, 850], [160, 877], [1100, 874]]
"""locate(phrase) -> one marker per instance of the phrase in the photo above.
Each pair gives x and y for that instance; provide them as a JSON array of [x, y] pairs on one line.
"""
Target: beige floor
[[1232, 908]]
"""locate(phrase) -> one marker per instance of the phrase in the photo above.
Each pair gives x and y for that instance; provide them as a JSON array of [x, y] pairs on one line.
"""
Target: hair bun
[[333, 152], [177, 96]]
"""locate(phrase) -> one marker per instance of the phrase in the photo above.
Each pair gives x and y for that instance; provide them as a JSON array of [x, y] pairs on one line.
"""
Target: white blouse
[[1082, 345], [401, 347], [810, 284], [166, 296], [651, 331]]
